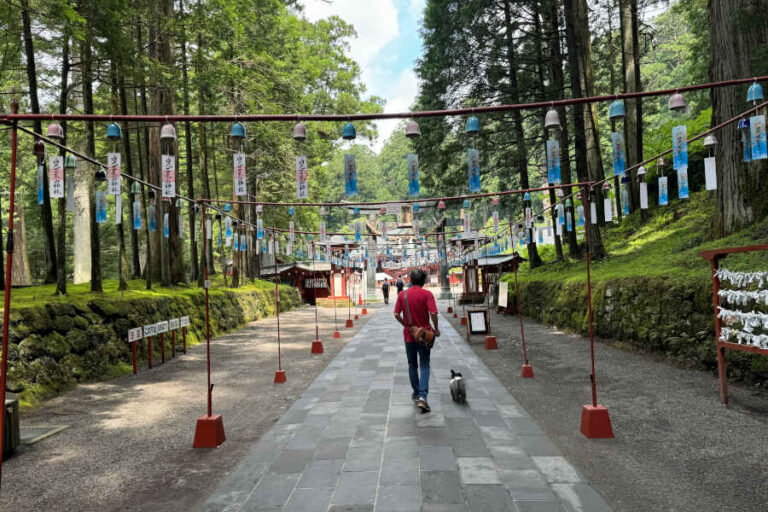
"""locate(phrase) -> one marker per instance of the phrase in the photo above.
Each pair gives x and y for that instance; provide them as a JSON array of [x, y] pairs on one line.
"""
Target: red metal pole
[[184, 339], [520, 315], [149, 351], [8, 265], [133, 353], [314, 293], [589, 304], [206, 284], [162, 348], [173, 343], [277, 313]]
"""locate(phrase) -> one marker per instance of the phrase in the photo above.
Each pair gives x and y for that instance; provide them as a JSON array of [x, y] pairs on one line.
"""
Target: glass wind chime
[[752, 130], [616, 113]]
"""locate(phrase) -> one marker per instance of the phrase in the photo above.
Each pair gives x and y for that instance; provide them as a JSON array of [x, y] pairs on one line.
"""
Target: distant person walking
[[385, 290], [400, 284], [414, 309]]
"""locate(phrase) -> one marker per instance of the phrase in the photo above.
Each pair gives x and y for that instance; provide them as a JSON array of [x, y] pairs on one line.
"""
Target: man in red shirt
[[421, 304]]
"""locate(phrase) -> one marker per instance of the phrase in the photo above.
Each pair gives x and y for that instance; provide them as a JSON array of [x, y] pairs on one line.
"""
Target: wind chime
[[616, 113], [757, 148], [552, 134]]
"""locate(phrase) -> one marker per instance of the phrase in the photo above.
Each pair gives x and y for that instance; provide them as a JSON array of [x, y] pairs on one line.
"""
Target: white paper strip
[[710, 173], [643, 195]]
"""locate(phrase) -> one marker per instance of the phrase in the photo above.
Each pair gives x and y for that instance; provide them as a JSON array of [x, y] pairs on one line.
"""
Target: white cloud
[[400, 95], [375, 22]]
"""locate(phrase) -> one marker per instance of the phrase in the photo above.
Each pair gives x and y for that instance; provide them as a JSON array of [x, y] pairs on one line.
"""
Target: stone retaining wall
[[58, 344]]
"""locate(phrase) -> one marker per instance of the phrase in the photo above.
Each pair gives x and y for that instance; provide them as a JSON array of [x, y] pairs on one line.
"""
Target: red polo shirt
[[421, 302]]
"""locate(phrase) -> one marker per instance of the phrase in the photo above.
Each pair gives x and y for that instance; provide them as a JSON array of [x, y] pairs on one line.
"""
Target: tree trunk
[[49, 241], [633, 122], [517, 119], [90, 151], [188, 150], [151, 266], [121, 258], [20, 267], [738, 36], [127, 149], [588, 165], [61, 235]]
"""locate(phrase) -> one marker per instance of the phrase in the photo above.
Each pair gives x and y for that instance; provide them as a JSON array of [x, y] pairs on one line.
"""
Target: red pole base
[[527, 372], [359, 300], [279, 376], [317, 347], [209, 432], [350, 323], [595, 422], [455, 315], [336, 334], [463, 320], [450, 309], [365, 311], [490, 343]]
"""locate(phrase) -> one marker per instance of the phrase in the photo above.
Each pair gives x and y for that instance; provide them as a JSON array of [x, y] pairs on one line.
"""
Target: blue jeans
[[420, 386]]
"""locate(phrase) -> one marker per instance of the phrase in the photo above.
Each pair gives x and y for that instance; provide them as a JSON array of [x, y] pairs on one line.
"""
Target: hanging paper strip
[[208, 230], [473, 162], [413, 175], [560, 214], [227, 231], [540, 232], [580, 216], [289, 249], [710, 173], [549, 228], [166, 226], [663, 191], [39, 178], [679, 146], [553, 162], [625, 199], [528, 217], [384, 228], [181, 226], [119, 209], [137, 215], [467, 223], [302, 176], [495, 222], [291, 230], [56, 177], [569, 221], [100, 198], [416, 227], [239, 174], [608, 209], [259, 229], [235, 242], [242, 242], [758, 139], [322, 231], [643, 195], [169, 175], [619, 160], [350, 175], [593, 213], [682, 182], [70, 193], [746, 143], [358, 234], [113, 173]]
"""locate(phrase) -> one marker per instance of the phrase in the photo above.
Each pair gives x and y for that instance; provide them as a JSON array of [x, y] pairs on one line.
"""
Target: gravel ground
[[677, 448], [129, 446]]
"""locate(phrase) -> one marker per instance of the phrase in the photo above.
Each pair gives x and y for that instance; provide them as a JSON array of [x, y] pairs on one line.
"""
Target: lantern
[[113, 131], [100, 176], [55, 131], [70, 162], [38, 149], [412, 130], [755, 92], [168, 132], [356, 210], [415, 207], [660, 162], [710, 141], [349, 132], [677, 102], [473, 126], [552, 120], [383, 210], [227, 207], [495, 201], [135, 188], [259, 208], [441, 205], [300, 132], [237, 132], [291, 210], [527, 196], [465, 203], [616, 110]]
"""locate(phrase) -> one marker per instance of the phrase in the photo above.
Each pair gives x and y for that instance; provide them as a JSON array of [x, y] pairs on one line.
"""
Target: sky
[[386, 47]]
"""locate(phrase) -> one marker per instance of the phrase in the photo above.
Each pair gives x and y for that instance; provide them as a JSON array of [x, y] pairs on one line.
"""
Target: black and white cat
[[458, 388]]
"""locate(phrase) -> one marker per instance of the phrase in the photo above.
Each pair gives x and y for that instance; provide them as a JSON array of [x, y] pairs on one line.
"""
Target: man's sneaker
[[415, 398], [423, 405]]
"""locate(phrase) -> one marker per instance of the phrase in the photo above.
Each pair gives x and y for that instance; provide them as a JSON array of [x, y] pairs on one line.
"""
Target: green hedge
[[55, 345]]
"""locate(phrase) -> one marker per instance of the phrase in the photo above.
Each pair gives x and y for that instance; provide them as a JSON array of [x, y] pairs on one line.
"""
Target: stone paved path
[[355, 442]]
